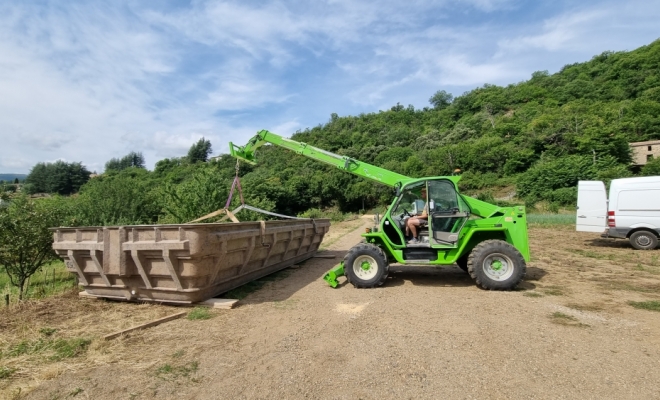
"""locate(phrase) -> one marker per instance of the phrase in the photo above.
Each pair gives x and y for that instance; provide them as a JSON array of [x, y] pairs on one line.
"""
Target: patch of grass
[[59, 348], [646, 305], [199, 313], [51, 279], [242, 292], [6, 372], [592, 254], [546, 220], [565, 319], [532, 294], [178, 354], [169, 372], [562, 316], [618, 285], [640, 267], [553, 290], [585, 307], [47, 331], [69, 348], [75, 392]]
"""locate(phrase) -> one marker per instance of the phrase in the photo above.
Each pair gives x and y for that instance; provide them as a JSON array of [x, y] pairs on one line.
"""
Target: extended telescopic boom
[[348, 164]]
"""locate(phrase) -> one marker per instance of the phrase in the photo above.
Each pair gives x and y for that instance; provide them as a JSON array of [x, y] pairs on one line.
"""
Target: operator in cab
[[418, 220]]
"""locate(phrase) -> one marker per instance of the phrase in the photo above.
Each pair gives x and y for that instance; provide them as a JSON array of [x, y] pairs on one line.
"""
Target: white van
[[632, 212]]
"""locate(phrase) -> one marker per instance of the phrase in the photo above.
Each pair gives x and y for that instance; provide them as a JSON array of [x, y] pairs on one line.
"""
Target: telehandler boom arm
[[381, 175], [359, 168]]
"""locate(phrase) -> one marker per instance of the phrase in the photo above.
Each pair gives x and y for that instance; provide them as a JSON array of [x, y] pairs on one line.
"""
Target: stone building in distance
[[643, 152]]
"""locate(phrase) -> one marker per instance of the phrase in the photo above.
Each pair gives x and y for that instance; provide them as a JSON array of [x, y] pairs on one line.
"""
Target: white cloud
[[559, 33], [92, 81]]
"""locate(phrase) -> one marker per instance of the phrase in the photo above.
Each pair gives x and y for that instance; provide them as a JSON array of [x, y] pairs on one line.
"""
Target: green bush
[[311, 213], [563, 197], [555, 179], [652, 168]]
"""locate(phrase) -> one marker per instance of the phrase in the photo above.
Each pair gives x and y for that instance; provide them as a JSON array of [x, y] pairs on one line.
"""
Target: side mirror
[[397, 190]]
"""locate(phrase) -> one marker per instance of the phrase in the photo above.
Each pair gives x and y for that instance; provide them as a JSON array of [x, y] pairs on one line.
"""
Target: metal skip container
[[184, 263]]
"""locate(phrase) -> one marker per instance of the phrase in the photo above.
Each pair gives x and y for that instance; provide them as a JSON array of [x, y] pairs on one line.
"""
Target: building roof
[[647, 143]]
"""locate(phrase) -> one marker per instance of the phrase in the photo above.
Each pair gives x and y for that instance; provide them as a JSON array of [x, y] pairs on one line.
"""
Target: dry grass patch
[[42, 338], [610, 284], [554, 290], [567, 320], [586, 307], [532, 294]]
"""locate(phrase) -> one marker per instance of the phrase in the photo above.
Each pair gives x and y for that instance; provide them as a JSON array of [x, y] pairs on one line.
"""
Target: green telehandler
[[487, 241]]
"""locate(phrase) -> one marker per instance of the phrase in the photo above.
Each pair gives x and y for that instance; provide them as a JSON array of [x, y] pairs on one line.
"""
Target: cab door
[[447, 211]]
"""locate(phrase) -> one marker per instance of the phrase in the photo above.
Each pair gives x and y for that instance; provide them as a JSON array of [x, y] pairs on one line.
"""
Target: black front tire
[[366, 266], [644, 240], [496, 265]]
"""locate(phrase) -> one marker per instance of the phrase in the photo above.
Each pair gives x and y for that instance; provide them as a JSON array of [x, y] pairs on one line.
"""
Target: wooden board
[[145, 325], [225, 304]]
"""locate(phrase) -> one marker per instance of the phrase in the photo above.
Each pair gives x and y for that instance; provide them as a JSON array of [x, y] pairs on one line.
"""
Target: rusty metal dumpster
[[183, 263]]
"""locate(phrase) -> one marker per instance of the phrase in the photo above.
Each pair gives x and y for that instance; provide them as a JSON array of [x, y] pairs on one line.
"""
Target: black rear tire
[[496, 265], [462, 262], [644, 240], [366, 266]]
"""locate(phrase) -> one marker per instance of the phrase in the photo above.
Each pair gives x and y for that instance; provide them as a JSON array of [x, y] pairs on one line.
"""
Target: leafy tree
[[59, 177], [441, 99], [132, 159], [16, 181], [200, 151], [25, 241], [128, 197], [206, 192]]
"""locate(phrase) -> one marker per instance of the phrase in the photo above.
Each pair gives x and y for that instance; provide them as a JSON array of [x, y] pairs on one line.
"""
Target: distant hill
[[11, 177]]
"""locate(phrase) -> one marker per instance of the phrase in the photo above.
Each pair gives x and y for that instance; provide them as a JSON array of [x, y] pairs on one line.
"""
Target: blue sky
[[88, 81]]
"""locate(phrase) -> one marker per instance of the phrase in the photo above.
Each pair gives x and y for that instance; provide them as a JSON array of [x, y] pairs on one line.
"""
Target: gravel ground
[[427, 333]]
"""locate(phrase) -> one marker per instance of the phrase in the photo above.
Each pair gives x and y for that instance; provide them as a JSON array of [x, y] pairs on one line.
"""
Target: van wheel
[[644, 240]]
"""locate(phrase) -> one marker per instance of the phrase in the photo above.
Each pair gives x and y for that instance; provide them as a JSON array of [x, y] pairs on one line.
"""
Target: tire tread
[[483, 246], [366, 248]]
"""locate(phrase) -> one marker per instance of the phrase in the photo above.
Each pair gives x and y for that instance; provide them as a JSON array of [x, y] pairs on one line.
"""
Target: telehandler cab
[[487, 241]]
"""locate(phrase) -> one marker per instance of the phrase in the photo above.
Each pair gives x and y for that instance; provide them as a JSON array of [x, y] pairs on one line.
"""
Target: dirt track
[[427, 333]]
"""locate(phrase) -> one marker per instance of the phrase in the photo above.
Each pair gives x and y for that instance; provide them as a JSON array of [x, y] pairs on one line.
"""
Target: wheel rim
[[643, 240], [498, 266], [365, 267]]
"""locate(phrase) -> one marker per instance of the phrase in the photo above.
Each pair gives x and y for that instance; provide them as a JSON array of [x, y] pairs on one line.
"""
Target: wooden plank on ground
[[146, 325], [225, 304]]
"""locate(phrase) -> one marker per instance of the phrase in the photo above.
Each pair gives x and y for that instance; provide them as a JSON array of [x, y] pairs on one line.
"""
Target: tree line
[[539, 136]]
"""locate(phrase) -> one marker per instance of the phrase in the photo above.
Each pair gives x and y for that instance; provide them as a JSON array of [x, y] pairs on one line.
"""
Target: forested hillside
[[537, 137]]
